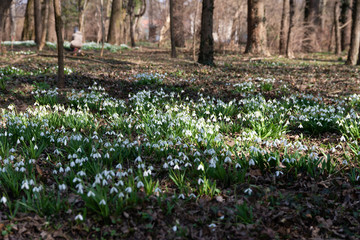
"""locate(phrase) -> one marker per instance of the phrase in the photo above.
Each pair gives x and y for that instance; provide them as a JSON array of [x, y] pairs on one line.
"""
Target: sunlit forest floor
[[142, 146]]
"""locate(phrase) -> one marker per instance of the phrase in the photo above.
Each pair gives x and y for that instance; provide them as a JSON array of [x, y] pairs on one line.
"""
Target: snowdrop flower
[[114, 189], [62, 187], [3, 200], [200, 167], [102, 202], [278, 173], [181, 196], [79, 217], [342, 139], [200, 181], [128, 190], [212, 225], [237, 165], [140, 184], [345, 162], [90, 194], [251, 162], [248, 191], [174, 228]]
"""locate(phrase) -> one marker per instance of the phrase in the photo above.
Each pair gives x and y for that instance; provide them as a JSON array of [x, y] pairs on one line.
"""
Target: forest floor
[[309, 102]]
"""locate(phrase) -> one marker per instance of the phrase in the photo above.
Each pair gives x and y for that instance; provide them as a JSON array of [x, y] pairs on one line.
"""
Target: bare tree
[[355, 35], [282, 40], [172, 30], [82, 8], [206, 53], [28, 29], [195, 30], [45, 24], [130, 11], [60, 43], [178, 11], [345, 20], [337, 29], [4, 6], [256, 41], [289, 52], [115, 21], [37, 15], [13, 21]]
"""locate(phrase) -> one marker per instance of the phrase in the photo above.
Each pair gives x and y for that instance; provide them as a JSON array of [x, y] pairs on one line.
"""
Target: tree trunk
[[28, 32], [102, 27], [206, 53], [234, 26], [355, 34], [337, 29], [51, 32], [345, 20], [13, 21], [45, 25], [256, 42], [312, 23], [178, 6], [164, 29], [289, 52], [60, 43], [4, 6], [172, 30], [282, 41], [82, 9], [37, 12], [195, 30], [115, 21]]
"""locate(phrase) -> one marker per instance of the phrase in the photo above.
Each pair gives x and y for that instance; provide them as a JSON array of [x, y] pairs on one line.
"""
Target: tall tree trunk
[[60, 43], [172, 30], [164, 29], [289, 51], [355, 34], [282, 41], [345, 19], [234, 26], [312, 23], [102, 27], [13, 21], [115, 21], [51, 32], [195, 30], [28, 32], [178, 6], [82, 9], [37, 12], [206, 53], [337, 29], [256, 42], [45, 24], [4, 6]]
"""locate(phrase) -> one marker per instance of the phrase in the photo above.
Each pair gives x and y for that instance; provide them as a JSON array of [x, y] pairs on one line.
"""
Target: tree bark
[[178, 6], [355, 34], [345, 18], [256, 42], [115, 21], [234, 26], [172, 30], [51, 32], [102, 27], [13, 21], [4, 6], [45, 24], [37, 12], [82, 9], [60, 43], [282, 41], [289, 52], [206, 53], [312, 23], [195, 30], [337, 29], [28, 32]]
